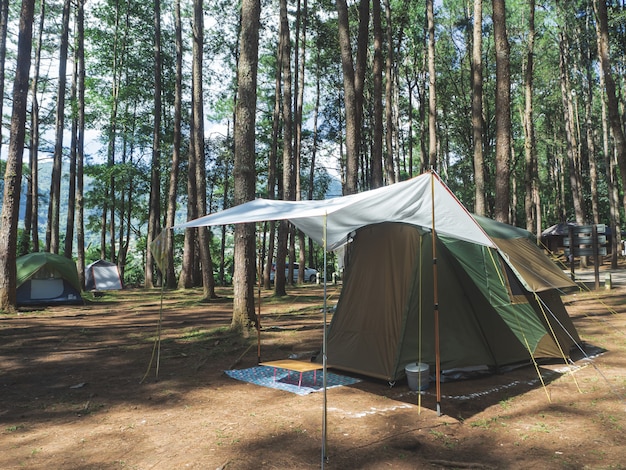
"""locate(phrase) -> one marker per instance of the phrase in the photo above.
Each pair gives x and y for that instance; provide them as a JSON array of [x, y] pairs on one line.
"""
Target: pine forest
[[121, 118]]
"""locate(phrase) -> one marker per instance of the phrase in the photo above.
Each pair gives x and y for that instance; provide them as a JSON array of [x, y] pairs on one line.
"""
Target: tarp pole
[[435, 298], [324, 364], [258, 316]]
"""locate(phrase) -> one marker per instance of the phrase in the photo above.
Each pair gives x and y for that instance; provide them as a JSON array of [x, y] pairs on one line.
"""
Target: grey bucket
[[417, 376]]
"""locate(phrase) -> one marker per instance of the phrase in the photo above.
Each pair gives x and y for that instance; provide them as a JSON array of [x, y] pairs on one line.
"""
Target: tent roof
[[28, 265], [101, 262], [409, 202], [558, 229], [519, 248]]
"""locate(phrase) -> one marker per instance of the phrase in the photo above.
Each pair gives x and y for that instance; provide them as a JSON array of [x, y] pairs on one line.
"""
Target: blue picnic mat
[[288, 380]]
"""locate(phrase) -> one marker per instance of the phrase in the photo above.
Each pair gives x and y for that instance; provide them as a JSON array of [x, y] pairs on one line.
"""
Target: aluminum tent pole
[[435, 297], [324, 365]]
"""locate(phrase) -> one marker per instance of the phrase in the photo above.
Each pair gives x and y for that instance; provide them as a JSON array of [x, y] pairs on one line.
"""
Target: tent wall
[[366, 329], [47, 292], [102, 275]]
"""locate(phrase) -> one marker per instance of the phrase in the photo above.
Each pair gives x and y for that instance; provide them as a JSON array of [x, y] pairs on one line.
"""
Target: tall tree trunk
[[244, 170], [119, 41], [272, 163], [530, 156], [299, 66], [52, 230], [13, 172], [503, 113], [611, 167], [432, 94], [32, 226], [570, 132], [288, 172], [154, 214], [480, 206], [208, 281], [186, 278], [377, 71], [316, 110], [589, 130], [351, 102], [80, 143], [170, 276], [389, 80], [299, 83], [4, 22], [71, 200], [609, 85]]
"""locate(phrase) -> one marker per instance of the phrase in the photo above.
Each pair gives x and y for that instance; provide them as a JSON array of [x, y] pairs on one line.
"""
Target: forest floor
[[80, 389]]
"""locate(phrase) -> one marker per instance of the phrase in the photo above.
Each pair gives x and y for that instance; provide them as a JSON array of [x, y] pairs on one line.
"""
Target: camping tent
[[486, 267], [477, 268], [498, 306], [102, 275], [46, 279]]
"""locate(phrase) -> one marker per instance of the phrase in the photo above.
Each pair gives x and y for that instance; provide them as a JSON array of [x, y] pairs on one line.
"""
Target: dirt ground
[[80, 389]]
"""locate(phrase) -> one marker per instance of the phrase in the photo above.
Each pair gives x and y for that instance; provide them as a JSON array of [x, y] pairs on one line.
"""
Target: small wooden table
[[296, 366]]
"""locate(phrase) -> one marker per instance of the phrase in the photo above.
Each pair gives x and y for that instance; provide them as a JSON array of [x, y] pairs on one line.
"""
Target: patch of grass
[[541, 427], [506, 403], [484, 423], [446, 440], [14, 428]]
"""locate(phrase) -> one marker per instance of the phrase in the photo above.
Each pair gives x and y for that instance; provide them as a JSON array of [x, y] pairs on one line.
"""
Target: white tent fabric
[[102, 275], [410, 202]]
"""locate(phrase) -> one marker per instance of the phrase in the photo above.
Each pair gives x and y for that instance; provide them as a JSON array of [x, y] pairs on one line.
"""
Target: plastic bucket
[[417, 376]]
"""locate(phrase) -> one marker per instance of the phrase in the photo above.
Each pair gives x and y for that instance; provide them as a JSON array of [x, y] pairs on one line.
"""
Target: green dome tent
[[47, 279]]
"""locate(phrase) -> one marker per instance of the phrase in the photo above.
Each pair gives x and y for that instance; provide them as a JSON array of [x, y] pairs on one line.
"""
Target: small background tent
[[47, 279], [497, 306], [102, 275]]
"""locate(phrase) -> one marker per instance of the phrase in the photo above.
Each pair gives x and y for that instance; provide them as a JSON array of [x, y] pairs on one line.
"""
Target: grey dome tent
[[102, 275]]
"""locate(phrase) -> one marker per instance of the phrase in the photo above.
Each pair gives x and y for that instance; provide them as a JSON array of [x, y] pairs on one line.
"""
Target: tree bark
[[52, 230], [244, 169], [619, 139], [170, 274], [503, 113], [80, 144], [389, 76], [377, 72], [71, 200], [4, 21], [208, 281], [13, 173], [351, 100], [530, 157], [271, 167], [570, 133], [32, 226], [288, 171], [611, 169], [432, 94], [480, 206], [154, 214]]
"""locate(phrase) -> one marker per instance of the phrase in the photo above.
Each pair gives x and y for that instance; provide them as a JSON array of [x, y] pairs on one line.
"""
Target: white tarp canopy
[[409, 202]]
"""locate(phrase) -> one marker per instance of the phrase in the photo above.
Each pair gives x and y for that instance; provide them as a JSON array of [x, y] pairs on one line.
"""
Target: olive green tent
[[47, 278], [497, 306]]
